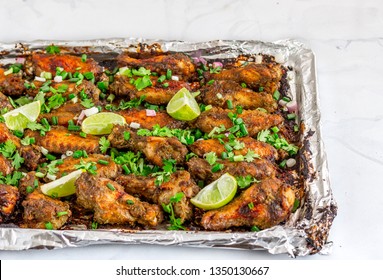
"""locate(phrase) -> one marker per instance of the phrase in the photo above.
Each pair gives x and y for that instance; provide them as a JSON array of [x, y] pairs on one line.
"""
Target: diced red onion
[[175, 78], [290, 162], [196, 60], [258, 58], [292, 106], [135, 125], [58, 79], [20, 60], [90, 111], [40, 79], [81, 117], [202, 60], [217, 64], [151, 113], [44, 151]]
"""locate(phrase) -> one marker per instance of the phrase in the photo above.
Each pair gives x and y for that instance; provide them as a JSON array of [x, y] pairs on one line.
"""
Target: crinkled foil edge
[[307, 229]]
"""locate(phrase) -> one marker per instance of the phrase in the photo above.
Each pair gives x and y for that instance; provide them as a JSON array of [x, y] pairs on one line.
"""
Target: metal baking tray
[[305, 232]]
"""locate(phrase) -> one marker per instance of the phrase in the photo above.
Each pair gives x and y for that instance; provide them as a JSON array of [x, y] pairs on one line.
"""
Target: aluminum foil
[[307, 229]]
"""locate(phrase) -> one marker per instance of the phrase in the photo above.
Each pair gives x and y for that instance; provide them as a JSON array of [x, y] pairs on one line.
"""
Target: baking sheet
[[307, 229]]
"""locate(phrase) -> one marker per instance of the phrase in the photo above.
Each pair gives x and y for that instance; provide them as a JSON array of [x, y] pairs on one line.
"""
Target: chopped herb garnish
[[84, 57], [49, 225], [110, 186], [130, 202], [229, 104], [90, 167], [103, 162], [210, 82], [161, 79], [87, 103], [168, 74], [276, 95], [82, 134], [104, 144], [126, 135], [276, 141], [250, 205], [175, 223], [165, 85], [217, 167], [62, 213], [255, 229], [94, 225], [243, 85], [52, 49], [245, 181], [211, 157]]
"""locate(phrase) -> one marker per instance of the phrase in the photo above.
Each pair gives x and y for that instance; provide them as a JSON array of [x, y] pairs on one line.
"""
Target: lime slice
[[183, 106], [63, 186], [101, 123], [217, 194], [18, 118]]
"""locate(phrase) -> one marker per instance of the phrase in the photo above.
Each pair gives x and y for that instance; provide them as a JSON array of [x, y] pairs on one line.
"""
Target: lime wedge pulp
[[62, 187], [217, 194], [101, 123], [18, 118], [183, 106]]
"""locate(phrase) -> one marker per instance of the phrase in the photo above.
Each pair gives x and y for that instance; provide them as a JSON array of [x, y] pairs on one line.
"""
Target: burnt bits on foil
[[307, 229]]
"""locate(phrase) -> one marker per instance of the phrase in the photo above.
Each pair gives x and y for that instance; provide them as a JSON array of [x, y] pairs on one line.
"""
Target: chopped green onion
[[275, 129], [217, 167], [30, 189], [110, 186], [130, 202], [103, 162], [260, 89], [210, 82], [243, 85], [49, 225], [82, 134], [229, 104], [62, 213], [250, 205], [238, 158], [126, 135], [50, 157], [83, 57], [296, 128], [283, 163], [71, 96], [161, 79], [126, 169], [286, 99], [255, 228], [239, 109], [165, 85], [243, 129], [18, 133], [94, 225], [55, 120], [77, 154], [168, 74], [291, 116], [276, 95], [296, 205]]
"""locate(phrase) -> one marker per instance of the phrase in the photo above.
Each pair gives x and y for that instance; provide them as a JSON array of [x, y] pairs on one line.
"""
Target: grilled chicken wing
[[202, 170], [180, 64], [161, 118], [155, 94], [9, 196], [111, 170], [6, 134], [264, 205], [59, 140], [112, 205], [156, 149], [180, 181], [220, 92], [264, 150], [4, 102], [29, 180], [39, 62], [5, 166], [11, 84], [40, 209], [68, 111], [31, 155], [253, 75], [254, 120]]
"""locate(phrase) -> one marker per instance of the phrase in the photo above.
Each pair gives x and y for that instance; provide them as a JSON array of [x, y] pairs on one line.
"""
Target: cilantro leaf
[[251, 155], [52, 49], [104, 144], [211, 157], [87, 103]]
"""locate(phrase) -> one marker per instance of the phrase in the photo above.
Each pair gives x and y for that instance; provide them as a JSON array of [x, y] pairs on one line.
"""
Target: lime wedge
[[63, 186], [183, 106], [18, 118], [217, 194], [101, 123]]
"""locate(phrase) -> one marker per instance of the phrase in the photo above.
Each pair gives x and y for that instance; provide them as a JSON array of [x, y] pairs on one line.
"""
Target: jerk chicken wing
[[112, 205], [11, 84], [264, 205], [156, 149], [179, 181], [6, 167], [9, 195]]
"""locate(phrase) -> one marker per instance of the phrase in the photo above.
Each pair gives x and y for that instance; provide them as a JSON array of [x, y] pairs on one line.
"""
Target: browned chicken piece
[[156, 149], [264, 205], [161, 118], [40, 210], [4, 102], [29, 180], [6, 167], [264, 150], [202, 170], [59, 140], [6, 134], [145, 187], [11, 84], [39, 62], [31, 155], [155, 94], [112, 205], [111, 170], [220, 92], [253, 75], [254, 120], [9, 196], [70, 88], [180, 64], [68, 111]]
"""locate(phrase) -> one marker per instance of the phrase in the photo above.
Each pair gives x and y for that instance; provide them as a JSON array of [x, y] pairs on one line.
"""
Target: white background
[[347, 37]]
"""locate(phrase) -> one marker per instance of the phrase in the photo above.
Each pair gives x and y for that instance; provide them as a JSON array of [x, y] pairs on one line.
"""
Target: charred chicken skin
[[9, 196], [11, 84], [112, 205]]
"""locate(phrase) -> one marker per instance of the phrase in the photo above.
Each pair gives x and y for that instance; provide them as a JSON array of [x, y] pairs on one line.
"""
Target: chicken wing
[[254, 120], [39, 62], [68, 111], [156, 149], [4, 102], [180, 64], [11, 84], [112, 205], [40, 210], [179, 181], [253, 75], [110, 170], [155, 94], [6, 134], [9, 197], [220, 92], [140, 116], [202, 170], [31, 155], [59, 140], [28, 180], [264, 205], [6, 167], [264, 150]]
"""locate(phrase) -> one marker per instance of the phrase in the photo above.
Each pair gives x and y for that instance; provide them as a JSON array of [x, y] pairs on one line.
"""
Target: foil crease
[[307, 229]]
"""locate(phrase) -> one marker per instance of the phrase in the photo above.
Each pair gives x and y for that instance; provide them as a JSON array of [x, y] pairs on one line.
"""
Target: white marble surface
[[347, 37]]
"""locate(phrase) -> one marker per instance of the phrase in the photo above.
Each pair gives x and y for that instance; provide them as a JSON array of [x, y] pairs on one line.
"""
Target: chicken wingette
[[9, 196], [67, 112], [155, 149], [221, 93], [179, 181], [11, 84], [112, 205], [180, 64], [254, 120], [6, 167], [263, 205], [253, 75]]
